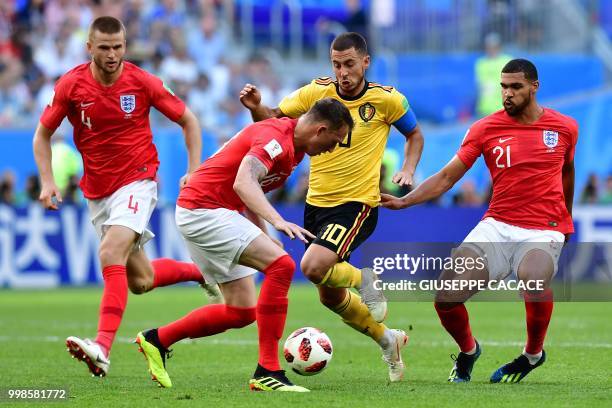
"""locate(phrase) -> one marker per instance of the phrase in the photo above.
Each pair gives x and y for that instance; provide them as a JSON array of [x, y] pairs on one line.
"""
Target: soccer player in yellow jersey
[[343, 194]]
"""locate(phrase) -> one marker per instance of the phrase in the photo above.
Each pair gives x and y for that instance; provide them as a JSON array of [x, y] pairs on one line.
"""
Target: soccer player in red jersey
[[229, 248], [529, 151], [107, 101]]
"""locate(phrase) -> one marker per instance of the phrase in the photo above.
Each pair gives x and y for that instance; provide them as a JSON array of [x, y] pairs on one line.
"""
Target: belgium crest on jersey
[[128, 103], [367, 111], [550, 138]]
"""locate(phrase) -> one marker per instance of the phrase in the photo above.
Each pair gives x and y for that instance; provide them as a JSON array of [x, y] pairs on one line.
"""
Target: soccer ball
[[308, 351]]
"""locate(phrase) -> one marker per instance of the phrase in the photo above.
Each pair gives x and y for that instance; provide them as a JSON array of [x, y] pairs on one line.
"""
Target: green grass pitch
[[214, 372]]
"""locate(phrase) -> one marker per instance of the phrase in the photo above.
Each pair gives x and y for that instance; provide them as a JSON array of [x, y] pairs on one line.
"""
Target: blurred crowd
[[184, 42]]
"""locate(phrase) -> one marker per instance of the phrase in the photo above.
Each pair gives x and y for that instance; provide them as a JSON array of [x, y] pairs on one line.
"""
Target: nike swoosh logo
[[505, 140], [84, 105], [99, 360]]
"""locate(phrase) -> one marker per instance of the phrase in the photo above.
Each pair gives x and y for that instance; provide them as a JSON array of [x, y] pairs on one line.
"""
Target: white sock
[[533, 358]]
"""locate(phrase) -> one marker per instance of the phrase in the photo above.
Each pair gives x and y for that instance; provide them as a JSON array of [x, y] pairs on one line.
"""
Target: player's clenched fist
[[250, 96]]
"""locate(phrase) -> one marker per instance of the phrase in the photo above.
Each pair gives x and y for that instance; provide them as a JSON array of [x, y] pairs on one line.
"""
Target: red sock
[[457, 323], [272, 309], [538, 308], [114, 300], [168, 272], [206, 321]]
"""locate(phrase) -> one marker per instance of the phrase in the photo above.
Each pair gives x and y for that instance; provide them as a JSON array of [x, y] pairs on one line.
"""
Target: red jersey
[[111, 124], [212, 184], [525, 162]]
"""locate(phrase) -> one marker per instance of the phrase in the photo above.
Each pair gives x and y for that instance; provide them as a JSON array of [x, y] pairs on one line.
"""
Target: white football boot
[[89, 352], [392, 343]]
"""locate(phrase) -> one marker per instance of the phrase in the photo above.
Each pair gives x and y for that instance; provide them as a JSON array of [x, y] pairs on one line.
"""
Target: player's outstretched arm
[[247, 185], [412, 155], [50, 196], [251, 99], [431, 188], [193, 142]]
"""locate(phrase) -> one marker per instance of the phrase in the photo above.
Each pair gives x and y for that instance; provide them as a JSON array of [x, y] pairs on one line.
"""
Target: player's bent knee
[[137, 286], [536, 265], [285, 265], [110, 255], [313, 270]]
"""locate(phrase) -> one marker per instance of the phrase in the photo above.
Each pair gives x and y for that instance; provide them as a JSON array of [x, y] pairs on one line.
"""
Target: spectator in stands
[[529, 33], [168, 13], [58, 53], [357, 20], [72, 193], [178, 66], [487, 71], [606, 197], [32, 188], [7, 188], [203, 102], [590, 194], [499, 18], [468, 195], [141, 49], [207, 43]]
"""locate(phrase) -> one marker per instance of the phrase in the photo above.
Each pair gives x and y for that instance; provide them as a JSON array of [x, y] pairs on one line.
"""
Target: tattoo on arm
[[256, 168]]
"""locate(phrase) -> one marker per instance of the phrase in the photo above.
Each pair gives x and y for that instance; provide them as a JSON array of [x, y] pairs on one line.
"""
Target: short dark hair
[[106, 25], [333, 112], [521, 65], [350, 40]]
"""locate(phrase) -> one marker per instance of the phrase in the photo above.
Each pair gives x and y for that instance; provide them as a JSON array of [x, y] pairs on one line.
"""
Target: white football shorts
[[506, 245], [216, 239], [130, 206]]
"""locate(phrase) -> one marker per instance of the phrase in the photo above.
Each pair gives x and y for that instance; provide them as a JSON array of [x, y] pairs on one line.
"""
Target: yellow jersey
[[351, 172]]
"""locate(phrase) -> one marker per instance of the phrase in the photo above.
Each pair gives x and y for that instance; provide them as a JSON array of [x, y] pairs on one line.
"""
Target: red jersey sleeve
[[267, 149], [573, 128], [164, 100], [471, 147], [57, 108]]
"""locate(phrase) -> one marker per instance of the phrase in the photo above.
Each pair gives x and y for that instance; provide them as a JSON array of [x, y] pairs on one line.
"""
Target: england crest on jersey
[[551, 138], [128, 103]]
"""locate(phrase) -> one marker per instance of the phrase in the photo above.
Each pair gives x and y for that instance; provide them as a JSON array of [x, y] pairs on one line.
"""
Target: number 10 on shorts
[[334, 233]]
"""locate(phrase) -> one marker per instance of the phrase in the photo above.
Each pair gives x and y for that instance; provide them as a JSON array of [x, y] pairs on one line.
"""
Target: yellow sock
[[356, 314], [342, 275]]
